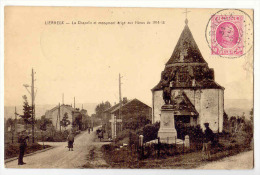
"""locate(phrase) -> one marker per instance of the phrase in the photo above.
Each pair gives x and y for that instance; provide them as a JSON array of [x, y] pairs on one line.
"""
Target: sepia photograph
[[128, 88]]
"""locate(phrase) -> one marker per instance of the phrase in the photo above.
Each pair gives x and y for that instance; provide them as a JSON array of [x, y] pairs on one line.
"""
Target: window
[[183, 75]]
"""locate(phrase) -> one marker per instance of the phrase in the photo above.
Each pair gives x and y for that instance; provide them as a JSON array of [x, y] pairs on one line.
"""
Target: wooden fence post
[[141, 146], [159, 148], [183, 147]]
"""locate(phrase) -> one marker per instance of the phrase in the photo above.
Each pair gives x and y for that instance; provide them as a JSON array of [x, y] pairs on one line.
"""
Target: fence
[[163, 147]]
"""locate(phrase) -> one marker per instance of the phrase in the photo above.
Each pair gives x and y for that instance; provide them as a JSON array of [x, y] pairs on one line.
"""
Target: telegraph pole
[[15, 113], [120, 103], [63, 98], [120, 99], [59, 117], [33, 107], [33, 99], [14, 130], [74, 102]]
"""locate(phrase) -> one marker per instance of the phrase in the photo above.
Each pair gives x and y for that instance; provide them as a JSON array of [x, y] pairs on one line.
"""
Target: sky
[[84, 61]]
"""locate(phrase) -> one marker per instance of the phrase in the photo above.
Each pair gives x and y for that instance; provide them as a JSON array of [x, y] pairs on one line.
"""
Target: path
[[60, 157], [241, 161]]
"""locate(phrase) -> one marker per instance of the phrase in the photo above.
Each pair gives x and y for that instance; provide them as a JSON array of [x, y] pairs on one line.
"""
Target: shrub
[[135, 123], [58, 137], [133, 138], [150, 131], [123, 134], [195, 134]]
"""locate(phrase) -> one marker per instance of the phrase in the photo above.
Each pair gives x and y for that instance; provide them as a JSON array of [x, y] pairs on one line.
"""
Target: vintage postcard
[[128, 88]]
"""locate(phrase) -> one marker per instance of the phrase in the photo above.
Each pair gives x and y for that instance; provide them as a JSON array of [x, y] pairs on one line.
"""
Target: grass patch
[[171, 157], [12, 150]]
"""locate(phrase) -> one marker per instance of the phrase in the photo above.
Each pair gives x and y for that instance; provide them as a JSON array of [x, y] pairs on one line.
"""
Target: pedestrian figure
[[98, 131], [22, 146], [207, 141], [100, 135], [89, 130], [70, 141]]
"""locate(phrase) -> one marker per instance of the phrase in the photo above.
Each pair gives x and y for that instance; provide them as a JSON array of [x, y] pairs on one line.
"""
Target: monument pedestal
[[167, 131]]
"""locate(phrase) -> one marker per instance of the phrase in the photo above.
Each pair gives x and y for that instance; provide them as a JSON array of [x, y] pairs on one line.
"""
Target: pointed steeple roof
[[186, 50], [187, 68]]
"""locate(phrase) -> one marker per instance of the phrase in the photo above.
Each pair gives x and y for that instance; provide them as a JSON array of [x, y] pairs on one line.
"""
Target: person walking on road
[[70, 141], [208, 140], [22, 146], [100, 135]]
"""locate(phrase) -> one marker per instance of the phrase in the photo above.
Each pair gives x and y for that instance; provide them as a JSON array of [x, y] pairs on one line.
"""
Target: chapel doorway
[[183, 124]]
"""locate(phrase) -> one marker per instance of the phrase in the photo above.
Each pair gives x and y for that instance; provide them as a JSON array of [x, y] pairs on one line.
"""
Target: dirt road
[[241, 161], [86, 151]]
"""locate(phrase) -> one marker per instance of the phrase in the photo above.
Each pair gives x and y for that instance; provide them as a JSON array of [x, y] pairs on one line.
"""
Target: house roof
[[112, 107], [186, 47], [63, 105], [183, 106], [116, 107]]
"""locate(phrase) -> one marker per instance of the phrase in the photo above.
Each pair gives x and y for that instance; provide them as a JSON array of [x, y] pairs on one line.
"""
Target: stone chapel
[[194, 95]]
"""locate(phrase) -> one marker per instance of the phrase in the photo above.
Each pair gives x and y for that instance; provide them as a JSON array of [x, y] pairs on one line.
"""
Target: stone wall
[[212, 109]]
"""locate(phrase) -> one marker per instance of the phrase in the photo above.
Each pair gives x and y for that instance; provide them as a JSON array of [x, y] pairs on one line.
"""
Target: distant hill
[[41, 109], [233, 107], [236, 107]]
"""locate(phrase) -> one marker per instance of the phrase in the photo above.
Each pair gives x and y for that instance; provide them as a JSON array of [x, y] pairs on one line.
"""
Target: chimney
[[124, 100]]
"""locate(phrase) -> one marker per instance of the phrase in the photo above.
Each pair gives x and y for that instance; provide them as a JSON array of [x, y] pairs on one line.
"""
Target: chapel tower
[[195, 96]]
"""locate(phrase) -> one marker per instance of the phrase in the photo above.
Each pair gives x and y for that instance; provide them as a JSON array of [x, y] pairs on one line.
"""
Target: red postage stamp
[[227, 35]]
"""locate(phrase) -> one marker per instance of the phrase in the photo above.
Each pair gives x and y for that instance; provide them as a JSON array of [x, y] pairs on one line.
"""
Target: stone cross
[[186, 12]]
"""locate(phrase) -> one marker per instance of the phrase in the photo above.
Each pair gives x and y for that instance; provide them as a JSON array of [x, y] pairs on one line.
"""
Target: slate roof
[[183, 106], [186, 67], [207, 84], [186, 43], [112, 107], [116, 107], [63, 105]]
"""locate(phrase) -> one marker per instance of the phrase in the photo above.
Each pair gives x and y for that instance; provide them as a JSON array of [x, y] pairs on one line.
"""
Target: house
[[107, 116], [122, 116], [57, 113], [191, 87], [74, 116], [86, 119]]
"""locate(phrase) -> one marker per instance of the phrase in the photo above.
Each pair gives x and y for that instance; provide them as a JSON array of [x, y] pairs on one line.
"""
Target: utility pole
[[33, 107], [63, 98], [120, 99], [15, 124], [59, 117], [74, 102], [33, 99], [57, 121], [120, 103]]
